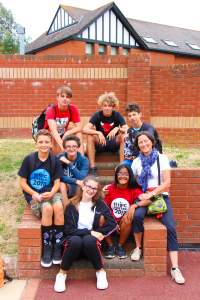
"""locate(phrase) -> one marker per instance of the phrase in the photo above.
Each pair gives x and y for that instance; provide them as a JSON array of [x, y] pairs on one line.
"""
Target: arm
[[26, 188], [53, 128], [110, 223], [77, 128], [90, 129], [54, 190]]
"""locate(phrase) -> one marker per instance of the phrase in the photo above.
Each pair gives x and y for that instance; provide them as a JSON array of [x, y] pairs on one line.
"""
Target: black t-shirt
[[106, 124], [39, 174]]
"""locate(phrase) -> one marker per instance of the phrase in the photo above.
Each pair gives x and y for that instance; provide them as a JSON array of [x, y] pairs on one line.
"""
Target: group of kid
[[76, 213]]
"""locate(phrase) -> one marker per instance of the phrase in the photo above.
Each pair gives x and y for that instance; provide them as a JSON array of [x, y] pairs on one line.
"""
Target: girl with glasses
[[120, 197], [87, 221]]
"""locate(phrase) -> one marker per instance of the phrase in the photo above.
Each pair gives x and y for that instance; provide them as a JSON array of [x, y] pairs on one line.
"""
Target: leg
[[71, 253], [120, 141], [56, 148], [125, 230], [63, 190], [81, 149], [91, 142], [58, 230]]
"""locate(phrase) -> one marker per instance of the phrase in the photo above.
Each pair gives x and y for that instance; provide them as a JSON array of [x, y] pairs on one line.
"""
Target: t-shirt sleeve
[[164, 162], [75, 116], [58, 169], [24, 170], [50, 113], [119, 118], [94, 119]]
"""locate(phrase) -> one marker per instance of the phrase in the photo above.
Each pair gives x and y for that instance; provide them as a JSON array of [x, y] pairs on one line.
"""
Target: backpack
[[39, 121]]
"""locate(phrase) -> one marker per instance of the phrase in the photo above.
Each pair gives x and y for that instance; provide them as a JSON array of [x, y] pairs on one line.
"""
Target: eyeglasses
[[72, 147], [94, 189], [123, 174]]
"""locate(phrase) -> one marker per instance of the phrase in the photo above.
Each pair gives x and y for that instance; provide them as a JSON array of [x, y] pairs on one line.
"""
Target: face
[[43, 143], [71, 148], [107, 109], [90, 189], [134, 119], [123, 176], [63, 101], [145, 144]]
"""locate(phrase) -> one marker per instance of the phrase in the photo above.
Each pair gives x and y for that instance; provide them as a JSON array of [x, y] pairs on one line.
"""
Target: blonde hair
[[110, 98], [64, 90]]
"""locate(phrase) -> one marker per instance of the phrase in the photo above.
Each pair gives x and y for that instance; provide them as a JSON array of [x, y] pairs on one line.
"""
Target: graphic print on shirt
[[67, 171], [107, 127], [119, 207], [39, 179], [61, 124]]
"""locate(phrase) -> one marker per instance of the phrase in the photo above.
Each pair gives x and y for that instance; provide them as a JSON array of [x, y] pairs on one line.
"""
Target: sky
[[37, 15]]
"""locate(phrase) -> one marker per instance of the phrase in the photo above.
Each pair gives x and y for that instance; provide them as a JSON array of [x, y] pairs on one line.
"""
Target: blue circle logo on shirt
[[39, 179]]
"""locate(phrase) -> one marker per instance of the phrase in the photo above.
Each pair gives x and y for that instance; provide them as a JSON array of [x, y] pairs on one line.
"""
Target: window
[[89, 49], [102, 49], [150, 40], [170, 43], [194, 46], [125, 51], [113, 51]]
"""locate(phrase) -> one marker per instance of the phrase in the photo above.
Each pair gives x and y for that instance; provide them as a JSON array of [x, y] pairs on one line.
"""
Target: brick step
[[107, 157], [105, 179]]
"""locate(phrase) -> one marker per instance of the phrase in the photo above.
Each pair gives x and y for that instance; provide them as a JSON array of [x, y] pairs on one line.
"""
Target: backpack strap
[[158, 165], [32, 160], [70, 112], [52, 164]]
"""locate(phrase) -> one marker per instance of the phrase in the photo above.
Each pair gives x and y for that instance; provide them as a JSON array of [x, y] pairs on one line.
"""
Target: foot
[[59, 285], [93, 171], [120, 252], [136, 255], [57, 255], [102, 282], [46, 259], [177, 276], [110, 253]]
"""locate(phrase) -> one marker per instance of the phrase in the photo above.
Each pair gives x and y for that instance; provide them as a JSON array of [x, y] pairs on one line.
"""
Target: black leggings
[[90, 247]]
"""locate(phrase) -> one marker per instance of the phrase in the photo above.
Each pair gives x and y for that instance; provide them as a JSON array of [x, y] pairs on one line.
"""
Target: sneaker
[[136, 255], [59, 285], [102, 282], [177, 276], [120, 252], [110, 253], [93, 171], [46, 259], [57, 255]]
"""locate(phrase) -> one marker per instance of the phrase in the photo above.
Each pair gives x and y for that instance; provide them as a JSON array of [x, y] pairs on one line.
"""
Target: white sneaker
[[59, 285], [136, 255], [102, 282], [177, 276]]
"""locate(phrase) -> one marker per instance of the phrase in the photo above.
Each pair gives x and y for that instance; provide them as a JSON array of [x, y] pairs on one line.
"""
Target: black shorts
[[111, 146]]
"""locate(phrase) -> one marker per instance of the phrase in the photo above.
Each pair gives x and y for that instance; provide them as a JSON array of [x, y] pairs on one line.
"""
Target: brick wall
[[169, 95]]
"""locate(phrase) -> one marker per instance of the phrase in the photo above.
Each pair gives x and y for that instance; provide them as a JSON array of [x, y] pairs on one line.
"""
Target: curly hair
[[110, 98]]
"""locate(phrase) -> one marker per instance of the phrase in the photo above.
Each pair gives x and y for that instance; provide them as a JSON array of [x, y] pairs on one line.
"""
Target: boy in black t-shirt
[[40, 175], [105, 129], [136, 125]]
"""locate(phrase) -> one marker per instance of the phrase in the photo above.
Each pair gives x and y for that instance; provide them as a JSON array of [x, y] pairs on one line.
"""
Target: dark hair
[[43, 132], [79, 192], [71, 138], [131, 182], [147, 134], [132, 107]]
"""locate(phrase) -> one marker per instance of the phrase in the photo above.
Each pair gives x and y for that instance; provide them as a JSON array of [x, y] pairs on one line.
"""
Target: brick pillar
[[139, 83], [155, 248], [96, 49]]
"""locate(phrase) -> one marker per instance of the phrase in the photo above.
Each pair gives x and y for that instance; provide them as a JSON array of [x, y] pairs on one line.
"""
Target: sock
[[58, 234], [47, 232]]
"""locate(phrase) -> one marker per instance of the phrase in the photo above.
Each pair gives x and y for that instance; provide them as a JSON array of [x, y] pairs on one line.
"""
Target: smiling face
[[134, 119], [90, 189], [63, 101], [43, 144], [107, 109], [71, 148], [145, 144], [123, 176]]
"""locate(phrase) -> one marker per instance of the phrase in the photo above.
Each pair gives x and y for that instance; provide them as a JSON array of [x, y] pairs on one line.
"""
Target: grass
[[12, 152]]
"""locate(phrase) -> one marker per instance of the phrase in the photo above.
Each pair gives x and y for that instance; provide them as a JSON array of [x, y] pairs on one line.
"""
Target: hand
[[128, 217], [98, 235], [80, 183], [47, 196], [102, 139], [113, 133], [145, 196], [105, 189], [64, 160], [37, 197]]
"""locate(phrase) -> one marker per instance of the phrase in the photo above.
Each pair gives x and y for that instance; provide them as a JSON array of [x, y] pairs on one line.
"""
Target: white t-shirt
[[152, 182], [86, 215]]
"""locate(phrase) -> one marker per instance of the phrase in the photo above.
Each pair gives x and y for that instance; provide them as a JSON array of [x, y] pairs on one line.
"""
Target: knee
[[138, 217], [58, 210], [102, 221], [47, 211], [89, 241], [75, 242]]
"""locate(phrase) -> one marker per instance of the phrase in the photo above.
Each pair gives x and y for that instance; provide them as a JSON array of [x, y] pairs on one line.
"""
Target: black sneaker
[[120, 252], [110, 252], [57, 254], [93, 171], [46, 259]]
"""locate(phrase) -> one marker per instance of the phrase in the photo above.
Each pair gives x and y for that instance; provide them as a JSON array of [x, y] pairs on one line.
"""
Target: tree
[[8, 35]]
